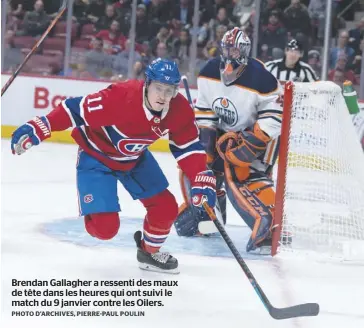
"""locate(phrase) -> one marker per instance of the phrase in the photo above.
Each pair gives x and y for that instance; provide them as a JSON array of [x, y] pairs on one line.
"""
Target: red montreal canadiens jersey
[[114, 126]]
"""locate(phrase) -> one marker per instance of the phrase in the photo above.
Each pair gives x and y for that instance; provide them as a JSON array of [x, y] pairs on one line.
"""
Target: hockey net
[[320, 178]]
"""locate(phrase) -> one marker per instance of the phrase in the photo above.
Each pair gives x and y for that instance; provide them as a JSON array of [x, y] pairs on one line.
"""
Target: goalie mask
[[235, 49]]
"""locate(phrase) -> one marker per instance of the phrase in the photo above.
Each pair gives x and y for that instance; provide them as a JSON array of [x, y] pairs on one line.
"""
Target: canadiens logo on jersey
[[226, 110], [133, 147], [88, 198]]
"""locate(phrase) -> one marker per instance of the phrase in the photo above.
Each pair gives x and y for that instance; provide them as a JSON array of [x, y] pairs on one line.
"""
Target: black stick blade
[[302, 310]]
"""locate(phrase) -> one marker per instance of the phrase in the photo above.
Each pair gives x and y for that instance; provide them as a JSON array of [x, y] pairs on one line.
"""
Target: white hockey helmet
[[235, 49]]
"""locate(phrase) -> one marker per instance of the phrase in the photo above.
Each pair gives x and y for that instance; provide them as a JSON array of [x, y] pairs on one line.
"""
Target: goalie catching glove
[[30, 134], [241, 149]]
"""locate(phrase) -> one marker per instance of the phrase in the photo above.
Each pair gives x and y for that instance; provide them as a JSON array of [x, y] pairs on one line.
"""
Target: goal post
[[320, 177], [282, 166]]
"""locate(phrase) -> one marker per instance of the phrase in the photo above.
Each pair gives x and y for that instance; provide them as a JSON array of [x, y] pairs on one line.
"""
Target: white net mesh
[[324, 197]]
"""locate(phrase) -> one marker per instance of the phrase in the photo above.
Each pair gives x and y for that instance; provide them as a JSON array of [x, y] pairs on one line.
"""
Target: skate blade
[[152, 268], [262, 250]]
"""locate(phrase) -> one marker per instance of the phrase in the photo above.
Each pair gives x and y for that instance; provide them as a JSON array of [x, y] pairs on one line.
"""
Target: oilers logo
[[133, 147], [226, 110]]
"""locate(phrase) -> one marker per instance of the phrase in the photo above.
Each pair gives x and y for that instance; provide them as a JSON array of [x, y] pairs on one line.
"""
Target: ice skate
[[158, 262], [264, 247]]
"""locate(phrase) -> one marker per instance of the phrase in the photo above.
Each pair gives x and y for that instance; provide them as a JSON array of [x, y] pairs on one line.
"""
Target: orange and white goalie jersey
[[256, 96]]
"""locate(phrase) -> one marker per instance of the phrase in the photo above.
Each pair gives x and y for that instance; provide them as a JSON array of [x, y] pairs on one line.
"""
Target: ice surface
[[39, 203]]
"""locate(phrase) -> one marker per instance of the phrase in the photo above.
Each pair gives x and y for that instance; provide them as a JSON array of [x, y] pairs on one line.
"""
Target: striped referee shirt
[[300, 72]]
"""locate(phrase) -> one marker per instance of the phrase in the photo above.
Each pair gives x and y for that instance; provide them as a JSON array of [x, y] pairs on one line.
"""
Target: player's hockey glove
[[241, 149], [203, 189], [30, 134]]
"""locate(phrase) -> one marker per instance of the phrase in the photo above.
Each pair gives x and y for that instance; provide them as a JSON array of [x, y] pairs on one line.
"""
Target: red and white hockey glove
[[203, 189], [30, 134]]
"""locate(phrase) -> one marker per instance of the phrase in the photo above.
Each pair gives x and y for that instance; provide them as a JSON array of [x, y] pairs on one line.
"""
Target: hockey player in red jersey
[[239, 113], [113, 129]]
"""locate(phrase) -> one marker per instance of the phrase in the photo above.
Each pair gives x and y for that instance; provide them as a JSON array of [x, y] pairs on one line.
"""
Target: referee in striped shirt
[[290, 67]]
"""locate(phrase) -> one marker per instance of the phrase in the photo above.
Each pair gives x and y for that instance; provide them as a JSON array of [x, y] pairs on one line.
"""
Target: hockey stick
[[301, 310], [187, 88], [36, 46], [204, 227]]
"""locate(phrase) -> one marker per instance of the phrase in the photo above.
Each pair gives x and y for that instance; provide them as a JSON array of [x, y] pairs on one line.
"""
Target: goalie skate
[[263, 248], [157, 262]]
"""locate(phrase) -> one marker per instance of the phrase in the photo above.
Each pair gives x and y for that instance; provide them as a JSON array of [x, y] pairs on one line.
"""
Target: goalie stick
[[62, 9], [301, 310]]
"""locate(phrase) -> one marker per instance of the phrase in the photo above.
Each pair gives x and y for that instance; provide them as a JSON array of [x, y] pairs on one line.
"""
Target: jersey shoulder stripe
[[255, 76], [211, 70]]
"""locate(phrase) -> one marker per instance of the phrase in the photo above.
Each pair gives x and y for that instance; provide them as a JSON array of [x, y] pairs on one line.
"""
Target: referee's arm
[[309, 73], [269, 65]]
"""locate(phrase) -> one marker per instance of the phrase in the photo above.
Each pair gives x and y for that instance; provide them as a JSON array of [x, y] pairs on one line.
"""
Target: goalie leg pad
[[254, 201], [103, 226]]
